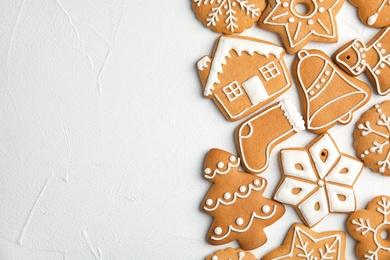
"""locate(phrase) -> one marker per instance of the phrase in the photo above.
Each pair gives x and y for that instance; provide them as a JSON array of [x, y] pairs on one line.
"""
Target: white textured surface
[[103, 131]]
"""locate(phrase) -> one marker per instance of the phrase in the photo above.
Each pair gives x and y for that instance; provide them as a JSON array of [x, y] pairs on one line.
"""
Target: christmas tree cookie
[[236, 202]]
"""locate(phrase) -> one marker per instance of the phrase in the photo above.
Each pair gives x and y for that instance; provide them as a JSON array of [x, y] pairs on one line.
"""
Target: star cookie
[[303, 243], [300, 22]]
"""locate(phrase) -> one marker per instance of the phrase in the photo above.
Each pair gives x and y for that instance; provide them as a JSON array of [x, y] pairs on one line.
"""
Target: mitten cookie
[[236, 202], [371, 229], [356, 57], [243, 75], [231, 254], [303, 243], [301, 22], [329, 96], [257, 137], [228, 16], [374, 13], [318, 180], [372, 135]]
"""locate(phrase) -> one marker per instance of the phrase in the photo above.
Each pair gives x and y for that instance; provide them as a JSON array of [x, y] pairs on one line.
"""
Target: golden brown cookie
[[318, 180], [302, 243], [243, 75], [256, 137], [236, 202], [299, 22], [372, 135], [228, 16], [355, 57], [371, 229], [374, 13], [329, 96], [231, 254]]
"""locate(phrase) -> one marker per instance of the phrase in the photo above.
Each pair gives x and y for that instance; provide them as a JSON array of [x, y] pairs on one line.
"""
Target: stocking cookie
[[300, 22], [231, 254], [371, 229], [228, 16], [372, 135], [236, 202], [329, 96], [356, 57], [318, 180], [257, 137], [374, 13], [243, 75], [302, 243]]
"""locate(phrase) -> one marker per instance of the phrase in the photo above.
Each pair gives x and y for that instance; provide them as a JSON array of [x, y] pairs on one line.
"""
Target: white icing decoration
[[239, 221], [256, 182], [202, 63], [253, 216], [235, 196], [225, 45], [325, 143], [241, 255], [220, 165], [321, 183], [227, 196], [214, 258], [255, 89], [337, 205], [242, 189], [307, 208], [207, 170], [266, 209], [209, 202], [292, 115], [353, 166], [218, 231], [372, 19], [216, 171], [290, 158], [284, 192], [232, 158]]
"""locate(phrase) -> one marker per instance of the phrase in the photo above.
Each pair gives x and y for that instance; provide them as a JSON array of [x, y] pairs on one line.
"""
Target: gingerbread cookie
[[257, 137], [231, 254], [243, 75], [301, 243], [374, 13], [329, 96], [371, 229], [356, 57], [301, 22], [236, 202], [318, 180], [372, 135], [228, 16]]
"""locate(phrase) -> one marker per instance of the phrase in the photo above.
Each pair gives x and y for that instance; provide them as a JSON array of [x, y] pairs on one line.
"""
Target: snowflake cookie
[[228, 16], [318, 180], [305, 244], [371, 229], [372, 138], [231, 254], [236, 202]]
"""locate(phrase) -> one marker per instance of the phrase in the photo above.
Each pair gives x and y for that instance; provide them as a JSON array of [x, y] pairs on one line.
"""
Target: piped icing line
[[239, 45], [202, 63], [253, 216], [293, 116], [235, 196], [216, 171]]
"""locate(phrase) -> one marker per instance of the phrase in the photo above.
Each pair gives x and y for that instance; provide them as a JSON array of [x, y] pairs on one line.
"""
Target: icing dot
[[225, 6], [376, 106], [381, 169], [312, 92], [364, 56], [361, 50], [234, 4], [209, 202], [242, 188], [323, 80], [377, 72], [379, 45], [383, 51], [310, 22], [291, 19], [214, 258], [241, 254], [207, 170], [285, 4], [321, 10], [256, 182], [227, 196], [358, 69], [318, 86], [218, 231], [321, 183], [232, 158], [363, 62], [357, 45], [379, 110], [362, 155], [382, 65], [266, 209], [327, 73], [219, 1], [366, 152], [220, 165], [239, 221]]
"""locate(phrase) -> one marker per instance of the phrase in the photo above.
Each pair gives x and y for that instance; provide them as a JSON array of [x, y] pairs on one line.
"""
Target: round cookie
[[371, 136], [228, 16], [231, 254]]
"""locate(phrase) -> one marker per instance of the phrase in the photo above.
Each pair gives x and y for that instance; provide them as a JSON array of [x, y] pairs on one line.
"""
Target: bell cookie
[[236, 202], [300, 22], [228, 16], [243, 75], [373, 13], [302, 243], [372, 135], [256, 137], [318, 180], [371, 229], [355, 57], [231, 254], [329, 96]]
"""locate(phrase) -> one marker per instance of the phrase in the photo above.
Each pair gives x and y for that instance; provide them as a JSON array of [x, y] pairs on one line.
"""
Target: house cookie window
[[232, 91], [269, 71]]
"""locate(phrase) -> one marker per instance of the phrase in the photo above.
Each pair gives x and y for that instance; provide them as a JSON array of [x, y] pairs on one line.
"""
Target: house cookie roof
[[225, 45]]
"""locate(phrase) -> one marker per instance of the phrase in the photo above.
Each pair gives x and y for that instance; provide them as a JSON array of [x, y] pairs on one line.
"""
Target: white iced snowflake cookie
[[228, 16], [318, 180], [372, 135]]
